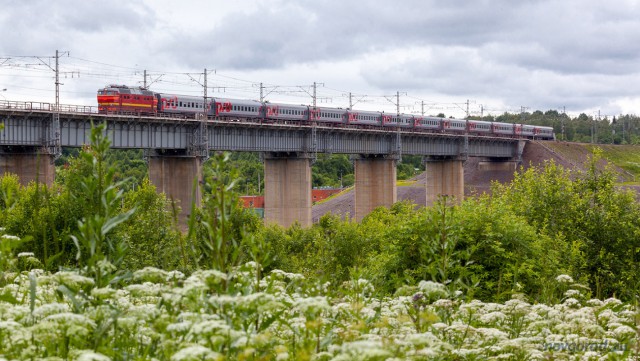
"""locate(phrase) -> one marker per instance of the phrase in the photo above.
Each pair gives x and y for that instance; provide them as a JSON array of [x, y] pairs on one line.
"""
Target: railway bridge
[[34, 134]]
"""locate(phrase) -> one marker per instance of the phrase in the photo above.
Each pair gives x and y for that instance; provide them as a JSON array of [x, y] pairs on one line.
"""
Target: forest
[[546, 266]]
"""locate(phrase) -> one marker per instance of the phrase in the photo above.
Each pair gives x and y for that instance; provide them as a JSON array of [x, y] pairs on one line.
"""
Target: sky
[[422, 56]]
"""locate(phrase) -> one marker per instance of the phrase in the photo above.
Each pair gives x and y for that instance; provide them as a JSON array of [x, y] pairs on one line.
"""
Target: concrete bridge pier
[[445, 177], [29, 164], [179, 176], [287, 189], [375, 183]]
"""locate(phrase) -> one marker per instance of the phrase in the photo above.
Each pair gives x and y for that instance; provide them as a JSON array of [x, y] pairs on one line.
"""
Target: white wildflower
[[564, 279], [195, 353], [89, 355], [175, 276], [612, 301], [364, 350], [282, 352], [573, 293], [473, 306], [207, 278], [278, 274], [103, 293], [150, 274], [179, 327], [444, 303], [73, 280], [209, 327], [516, 306], [10, 237], [571, 302], [145, 289], [492, 333], [594, 302], [310, 305], [9, 326], [68, 318], [439, 326], [624, 331], [433, 290], [493, 317], [50, 309], [361, 286], [26, 254], [590, 355]]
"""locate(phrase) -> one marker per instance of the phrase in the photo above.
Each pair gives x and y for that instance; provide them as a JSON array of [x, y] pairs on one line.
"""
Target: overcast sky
[[499, 55]]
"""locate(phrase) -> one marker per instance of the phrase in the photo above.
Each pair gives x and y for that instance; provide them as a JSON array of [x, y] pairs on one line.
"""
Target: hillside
[[625, 159]]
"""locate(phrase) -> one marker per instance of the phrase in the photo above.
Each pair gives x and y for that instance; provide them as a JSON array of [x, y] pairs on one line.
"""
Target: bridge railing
[[47, 107]]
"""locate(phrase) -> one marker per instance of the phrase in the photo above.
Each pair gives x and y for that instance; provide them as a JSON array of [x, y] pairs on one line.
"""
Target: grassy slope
[[624, 157]]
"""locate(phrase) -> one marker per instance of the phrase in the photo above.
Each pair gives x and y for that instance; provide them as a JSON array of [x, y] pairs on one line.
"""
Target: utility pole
[[359, 98], [201, 145], [313, 93], [57, 83], [522, 110], [397, 102], [145, 83], [264, 94], [467, 111], [54, 142]]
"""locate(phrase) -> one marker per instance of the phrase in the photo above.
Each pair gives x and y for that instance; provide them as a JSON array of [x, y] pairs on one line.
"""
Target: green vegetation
[[625, 157], [94, 269], [623, 129]]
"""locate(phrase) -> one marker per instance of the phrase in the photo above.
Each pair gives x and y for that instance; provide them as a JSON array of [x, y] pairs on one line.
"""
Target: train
[[123, 99]]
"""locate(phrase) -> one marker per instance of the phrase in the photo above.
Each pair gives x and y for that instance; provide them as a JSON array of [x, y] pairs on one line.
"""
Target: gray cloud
[[39, 26], [537, 53]]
